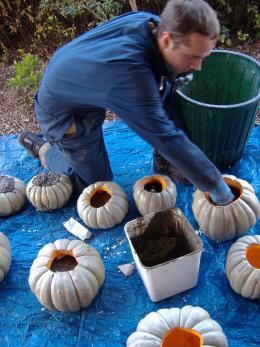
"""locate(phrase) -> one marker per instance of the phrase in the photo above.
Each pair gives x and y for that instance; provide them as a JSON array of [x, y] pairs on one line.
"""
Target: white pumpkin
[[49, 191], [5, 256], [12, 195], [223, 223], [188, 326], [154, 193], [243, 266], [102, 205], [66, 275]]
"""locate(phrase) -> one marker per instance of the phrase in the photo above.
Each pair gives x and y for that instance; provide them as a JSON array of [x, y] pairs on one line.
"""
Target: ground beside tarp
[[121, 302]]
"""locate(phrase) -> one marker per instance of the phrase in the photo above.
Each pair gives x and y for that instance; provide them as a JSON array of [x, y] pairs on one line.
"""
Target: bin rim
[[245, 103]]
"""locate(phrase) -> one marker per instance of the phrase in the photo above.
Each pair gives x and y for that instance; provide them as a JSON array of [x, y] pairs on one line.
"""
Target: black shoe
[[31, 142], [163, 167]]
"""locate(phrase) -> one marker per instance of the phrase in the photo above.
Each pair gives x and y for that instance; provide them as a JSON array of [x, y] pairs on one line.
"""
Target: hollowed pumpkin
[[102, 205], [66, 275], [154, 193], [12, 195], [189, 326], [223, 223], [5, 256], [243, 266], [180, 337], [49, 191]]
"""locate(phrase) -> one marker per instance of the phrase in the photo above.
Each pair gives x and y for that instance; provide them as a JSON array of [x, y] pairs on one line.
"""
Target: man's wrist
[[221, 194]]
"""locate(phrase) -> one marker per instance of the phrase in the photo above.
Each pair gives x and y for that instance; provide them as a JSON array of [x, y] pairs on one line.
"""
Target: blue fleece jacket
[[117, 65]]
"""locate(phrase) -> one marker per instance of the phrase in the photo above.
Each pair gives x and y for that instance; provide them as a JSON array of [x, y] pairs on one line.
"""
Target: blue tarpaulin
[[122, 301]]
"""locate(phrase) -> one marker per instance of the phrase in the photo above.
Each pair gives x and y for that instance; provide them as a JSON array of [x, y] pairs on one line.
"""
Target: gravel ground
[[16, 106]]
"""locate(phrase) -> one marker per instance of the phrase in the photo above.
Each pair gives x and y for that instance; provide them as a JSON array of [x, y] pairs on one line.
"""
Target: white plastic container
[[174, 276]]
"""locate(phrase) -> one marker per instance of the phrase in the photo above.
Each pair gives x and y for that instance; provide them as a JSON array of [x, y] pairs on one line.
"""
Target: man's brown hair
[[183, 17]]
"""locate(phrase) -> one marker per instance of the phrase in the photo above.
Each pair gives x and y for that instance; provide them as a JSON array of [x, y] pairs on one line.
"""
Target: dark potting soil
[[63, 264], [6, 184], [100, 198], [161, 241], [46, 179]]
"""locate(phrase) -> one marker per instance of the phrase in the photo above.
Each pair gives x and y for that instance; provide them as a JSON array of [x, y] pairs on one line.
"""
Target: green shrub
[[253, 11], [59, 21], [17, 19], [28, 73], [101, 10], [40, 26], [224, 37], [240, 20]]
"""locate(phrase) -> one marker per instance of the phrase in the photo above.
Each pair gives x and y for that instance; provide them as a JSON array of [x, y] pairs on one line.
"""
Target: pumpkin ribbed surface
[[223, 223], [5, 256], [243, 266], [12, 195], [102, 205], [49, 191], [153, 329], [154, 193], [67, 285]]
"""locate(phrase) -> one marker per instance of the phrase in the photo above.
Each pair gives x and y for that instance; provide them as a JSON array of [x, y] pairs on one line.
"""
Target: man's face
[[188, 55]]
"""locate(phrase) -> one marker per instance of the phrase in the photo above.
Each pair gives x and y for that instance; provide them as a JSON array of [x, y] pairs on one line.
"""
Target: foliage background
[[40, 26]]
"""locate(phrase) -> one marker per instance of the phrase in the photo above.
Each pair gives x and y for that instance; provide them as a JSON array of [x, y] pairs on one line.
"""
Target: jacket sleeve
[[137, 101]]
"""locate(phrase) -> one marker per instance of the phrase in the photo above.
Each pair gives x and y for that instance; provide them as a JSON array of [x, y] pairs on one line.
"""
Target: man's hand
[[222, 195]]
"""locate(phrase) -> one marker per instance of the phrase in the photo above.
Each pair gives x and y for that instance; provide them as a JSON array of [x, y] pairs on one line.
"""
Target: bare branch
[[133, 5]]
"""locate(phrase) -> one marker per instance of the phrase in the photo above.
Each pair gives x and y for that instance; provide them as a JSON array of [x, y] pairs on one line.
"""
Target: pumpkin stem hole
[[62, 261], [99, 198], [253, 255], [235, 187], [179, 337], [153, 187], [154, 184]]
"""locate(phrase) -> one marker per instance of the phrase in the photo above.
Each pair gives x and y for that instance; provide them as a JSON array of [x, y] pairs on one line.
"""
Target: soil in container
[[163, 240]]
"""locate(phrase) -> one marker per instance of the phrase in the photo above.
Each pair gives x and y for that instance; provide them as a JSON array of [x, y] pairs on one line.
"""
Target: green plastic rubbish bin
[[218, 107]]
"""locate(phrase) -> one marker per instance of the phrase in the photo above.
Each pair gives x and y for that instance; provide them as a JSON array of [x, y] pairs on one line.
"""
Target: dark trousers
[[81, 155]]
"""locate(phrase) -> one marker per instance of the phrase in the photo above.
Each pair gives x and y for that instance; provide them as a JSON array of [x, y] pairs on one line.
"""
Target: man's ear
[[166, 40]]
